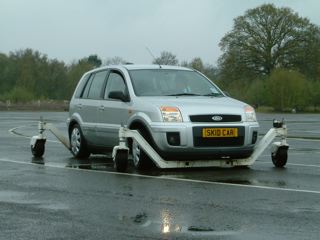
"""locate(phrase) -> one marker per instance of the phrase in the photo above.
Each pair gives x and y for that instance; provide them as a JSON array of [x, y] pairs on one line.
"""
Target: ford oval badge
[[216, 118]]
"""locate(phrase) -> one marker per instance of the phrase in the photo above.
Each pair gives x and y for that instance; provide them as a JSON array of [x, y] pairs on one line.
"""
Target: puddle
[[55, 207], [167, 224], [255, 182], [12, 196], [306, 210], [20, 198], [200, 229], [140, 218], [242, 182]]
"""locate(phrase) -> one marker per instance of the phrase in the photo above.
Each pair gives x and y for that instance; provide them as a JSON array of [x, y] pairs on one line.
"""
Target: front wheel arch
[[143, 130]]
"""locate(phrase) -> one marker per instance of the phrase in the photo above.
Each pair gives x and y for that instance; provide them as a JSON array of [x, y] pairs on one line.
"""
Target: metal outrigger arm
[[38, 142], [279, 130]]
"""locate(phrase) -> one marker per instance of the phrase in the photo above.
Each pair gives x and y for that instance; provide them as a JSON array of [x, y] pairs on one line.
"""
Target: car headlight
[[171, 114], [250, 114]]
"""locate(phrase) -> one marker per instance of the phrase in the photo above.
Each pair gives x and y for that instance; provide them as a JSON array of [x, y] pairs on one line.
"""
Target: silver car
[[179, 111]]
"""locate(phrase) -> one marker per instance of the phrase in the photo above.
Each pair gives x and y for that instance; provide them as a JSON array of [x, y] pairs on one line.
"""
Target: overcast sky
[[72, 29]]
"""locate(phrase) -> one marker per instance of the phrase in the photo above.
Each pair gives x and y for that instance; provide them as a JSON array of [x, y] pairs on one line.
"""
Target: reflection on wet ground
[[167, 223], [303, 140], [240, 175]]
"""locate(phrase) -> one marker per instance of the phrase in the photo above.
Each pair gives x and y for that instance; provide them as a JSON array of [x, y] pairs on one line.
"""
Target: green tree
[[94, 60], [166, 58], [29, 71], [33, 73], [265, 38], [55, 82], [257, 93], [287, 89], [207, 69], [74, 73], [314, 89], [197, 64], [7, 81]]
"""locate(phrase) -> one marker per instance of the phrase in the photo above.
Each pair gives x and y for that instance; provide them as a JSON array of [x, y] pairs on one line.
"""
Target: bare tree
[[166, 58]]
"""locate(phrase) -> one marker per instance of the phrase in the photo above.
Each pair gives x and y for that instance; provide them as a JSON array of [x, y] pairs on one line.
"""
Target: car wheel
[[78, 144], [141, 160]]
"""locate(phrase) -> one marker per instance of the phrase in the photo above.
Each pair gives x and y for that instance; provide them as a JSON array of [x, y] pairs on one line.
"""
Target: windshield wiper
[[184, 94], [213, 95]]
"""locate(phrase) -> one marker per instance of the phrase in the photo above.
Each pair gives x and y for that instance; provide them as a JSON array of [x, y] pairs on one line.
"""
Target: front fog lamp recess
[[171, 114]]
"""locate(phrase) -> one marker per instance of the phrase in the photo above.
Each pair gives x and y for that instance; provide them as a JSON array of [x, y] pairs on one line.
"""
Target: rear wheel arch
[[78, 144], [71, 124]]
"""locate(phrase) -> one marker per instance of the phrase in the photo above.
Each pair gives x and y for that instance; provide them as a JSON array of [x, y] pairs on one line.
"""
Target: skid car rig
[[120, 153]]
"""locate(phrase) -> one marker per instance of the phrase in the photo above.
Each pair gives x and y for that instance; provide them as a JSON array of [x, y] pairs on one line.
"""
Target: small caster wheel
[[121, 160], [280, 157], [38, 148]]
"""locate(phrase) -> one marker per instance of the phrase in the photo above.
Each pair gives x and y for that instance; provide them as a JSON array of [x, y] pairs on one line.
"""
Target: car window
[[82, 85], [96, 85], [163, 82], [115, 83], [87, 87]]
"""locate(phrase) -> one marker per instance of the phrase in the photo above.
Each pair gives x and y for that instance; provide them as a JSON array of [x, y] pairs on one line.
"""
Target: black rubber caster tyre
[[78, 145], [121, 160], [38, 148], [280, 157]]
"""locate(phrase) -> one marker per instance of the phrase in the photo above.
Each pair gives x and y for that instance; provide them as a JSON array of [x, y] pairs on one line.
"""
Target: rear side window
[[87, 87], [80, 89], [96, 85]]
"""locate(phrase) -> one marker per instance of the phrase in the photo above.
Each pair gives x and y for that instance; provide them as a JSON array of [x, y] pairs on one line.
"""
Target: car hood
[[191, 105]]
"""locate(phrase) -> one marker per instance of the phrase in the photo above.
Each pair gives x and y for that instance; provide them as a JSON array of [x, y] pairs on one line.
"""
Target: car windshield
[[164, 82]]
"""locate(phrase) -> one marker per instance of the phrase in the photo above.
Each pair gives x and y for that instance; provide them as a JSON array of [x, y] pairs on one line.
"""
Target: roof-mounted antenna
[[153, 56]]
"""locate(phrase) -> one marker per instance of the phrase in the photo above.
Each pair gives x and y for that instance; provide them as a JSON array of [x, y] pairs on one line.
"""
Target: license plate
[[219, 132]]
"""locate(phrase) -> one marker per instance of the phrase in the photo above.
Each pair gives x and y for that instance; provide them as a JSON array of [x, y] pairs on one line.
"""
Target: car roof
[[140, 67]]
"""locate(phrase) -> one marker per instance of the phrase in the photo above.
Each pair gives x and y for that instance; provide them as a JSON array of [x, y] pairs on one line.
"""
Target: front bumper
[[191, 147]]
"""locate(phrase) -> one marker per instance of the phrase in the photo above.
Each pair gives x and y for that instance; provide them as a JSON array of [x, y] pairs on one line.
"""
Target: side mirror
[[118, 95]]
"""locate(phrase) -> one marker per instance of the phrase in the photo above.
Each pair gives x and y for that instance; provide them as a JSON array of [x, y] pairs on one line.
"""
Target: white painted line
[[303, 139], [293, 153], [167, 178], [13, 132], [294, 164]]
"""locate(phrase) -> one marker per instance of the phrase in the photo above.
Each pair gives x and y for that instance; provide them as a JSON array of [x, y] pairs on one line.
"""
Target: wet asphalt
[[58, 197]]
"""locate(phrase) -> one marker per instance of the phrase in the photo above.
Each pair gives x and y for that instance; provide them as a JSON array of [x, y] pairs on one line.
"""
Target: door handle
[[79, 106], [101, 108]]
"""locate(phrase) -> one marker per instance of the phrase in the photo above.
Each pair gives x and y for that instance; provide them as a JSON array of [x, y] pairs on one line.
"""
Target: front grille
[[209, 118], [199, 141]]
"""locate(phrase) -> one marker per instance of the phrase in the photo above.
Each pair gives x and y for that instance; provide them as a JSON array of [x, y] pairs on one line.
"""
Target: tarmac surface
[[58, 197]]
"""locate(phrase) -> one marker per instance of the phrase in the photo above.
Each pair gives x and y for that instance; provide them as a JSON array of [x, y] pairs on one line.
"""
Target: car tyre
[[78, 145], [141, 160]]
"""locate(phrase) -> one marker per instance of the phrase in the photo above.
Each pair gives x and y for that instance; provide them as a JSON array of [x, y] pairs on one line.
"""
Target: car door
[[90, 104], [112, 112]]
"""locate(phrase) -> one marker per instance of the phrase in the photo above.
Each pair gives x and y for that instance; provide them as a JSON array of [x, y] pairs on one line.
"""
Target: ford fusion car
[[179, 111]]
